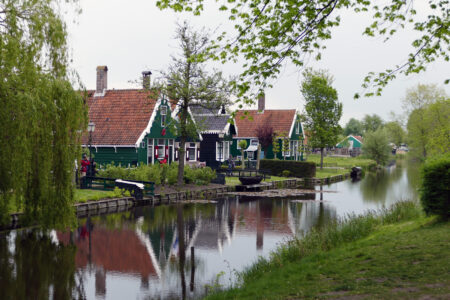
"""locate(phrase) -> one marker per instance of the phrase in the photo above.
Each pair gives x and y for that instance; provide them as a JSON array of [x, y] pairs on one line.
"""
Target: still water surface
[[171, 252]]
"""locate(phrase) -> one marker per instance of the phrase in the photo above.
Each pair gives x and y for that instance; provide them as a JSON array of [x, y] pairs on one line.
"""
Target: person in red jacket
[[84, 167]]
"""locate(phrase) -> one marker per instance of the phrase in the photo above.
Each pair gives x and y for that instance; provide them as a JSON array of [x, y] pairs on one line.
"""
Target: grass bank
[[343, 162], [394, 254], [84, 195]]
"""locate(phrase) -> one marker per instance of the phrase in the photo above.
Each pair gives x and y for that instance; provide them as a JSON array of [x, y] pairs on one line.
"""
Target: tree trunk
[[321, 158], [183, 138], [242, 159], [257, 158], [181, 160]]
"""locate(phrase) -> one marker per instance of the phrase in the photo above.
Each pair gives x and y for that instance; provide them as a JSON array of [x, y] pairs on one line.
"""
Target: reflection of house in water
[[107, 250]]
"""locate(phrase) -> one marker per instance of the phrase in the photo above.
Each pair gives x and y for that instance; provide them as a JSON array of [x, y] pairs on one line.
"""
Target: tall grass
[[336, 233]]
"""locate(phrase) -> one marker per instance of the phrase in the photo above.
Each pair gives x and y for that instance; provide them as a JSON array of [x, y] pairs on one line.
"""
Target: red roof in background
[[120, 116], [280, 120], [358, 137]]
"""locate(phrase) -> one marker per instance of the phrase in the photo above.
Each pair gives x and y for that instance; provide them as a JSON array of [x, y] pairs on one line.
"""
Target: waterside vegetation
[[396, 252]]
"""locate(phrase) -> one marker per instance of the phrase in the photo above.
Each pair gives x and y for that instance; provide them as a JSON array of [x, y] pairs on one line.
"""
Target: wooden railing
[[103, 183]]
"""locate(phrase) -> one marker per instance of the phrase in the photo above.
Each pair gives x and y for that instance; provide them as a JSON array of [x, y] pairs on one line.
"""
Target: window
[[163, 110], [161, 148], [191, 154], [254, 142], [251, 154], [297, 128], [170, 142], [219, 151], [150, 151]]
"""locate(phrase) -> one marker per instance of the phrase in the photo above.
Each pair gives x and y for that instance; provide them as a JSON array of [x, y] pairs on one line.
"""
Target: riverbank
[[400, 254]]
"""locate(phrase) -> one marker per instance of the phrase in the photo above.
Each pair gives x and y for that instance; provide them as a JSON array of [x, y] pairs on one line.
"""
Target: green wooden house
[[351, 145], [284, 122], [133, 126]]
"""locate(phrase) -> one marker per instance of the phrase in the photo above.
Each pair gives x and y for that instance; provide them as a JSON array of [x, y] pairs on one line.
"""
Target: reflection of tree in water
[[33, 267], [375, 185], [413, 174]]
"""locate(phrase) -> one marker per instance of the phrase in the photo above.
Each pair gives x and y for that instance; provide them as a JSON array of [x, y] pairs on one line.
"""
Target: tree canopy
[[372, 122], [323, 110], [42, 117], [353, 127], [188, 83], [269, 33], [428, 121]]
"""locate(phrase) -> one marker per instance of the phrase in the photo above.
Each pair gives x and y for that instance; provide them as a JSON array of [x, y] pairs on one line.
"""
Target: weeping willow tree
[[41, 115]]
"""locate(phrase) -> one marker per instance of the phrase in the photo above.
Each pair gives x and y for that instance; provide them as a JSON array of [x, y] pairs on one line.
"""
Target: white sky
[[132, 36]]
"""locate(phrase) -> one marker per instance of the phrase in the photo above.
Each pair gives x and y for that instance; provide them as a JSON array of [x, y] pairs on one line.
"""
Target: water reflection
[[173, 252]]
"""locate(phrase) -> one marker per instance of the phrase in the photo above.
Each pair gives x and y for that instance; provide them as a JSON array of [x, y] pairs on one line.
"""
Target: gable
[[120, 116]]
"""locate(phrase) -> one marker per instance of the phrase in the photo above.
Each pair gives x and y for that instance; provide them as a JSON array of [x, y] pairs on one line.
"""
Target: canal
[[171, 252]]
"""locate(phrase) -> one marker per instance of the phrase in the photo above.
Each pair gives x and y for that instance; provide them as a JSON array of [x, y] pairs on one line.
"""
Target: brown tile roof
[[280, 120], [120, 116]]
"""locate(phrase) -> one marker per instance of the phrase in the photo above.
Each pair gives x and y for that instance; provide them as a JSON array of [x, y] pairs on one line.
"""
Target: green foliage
[[353, 127], [323, 111], [376, 146], [275, 146], [300, 169], [41, 118], [372, 123], [243, 144], [332, 235], [429, 120], [396, 134], [435, 191], [268, 34], [159, 174], [285, 173]]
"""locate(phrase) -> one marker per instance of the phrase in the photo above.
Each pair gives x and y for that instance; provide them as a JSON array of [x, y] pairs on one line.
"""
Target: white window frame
[[254, 142], [150, 153], [237, 144], [163, 111], [297, 128], [251, 155], [161, 147], [188, 147]]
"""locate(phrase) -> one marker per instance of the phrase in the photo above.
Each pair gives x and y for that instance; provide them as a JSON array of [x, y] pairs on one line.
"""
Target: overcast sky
[[132, 36]]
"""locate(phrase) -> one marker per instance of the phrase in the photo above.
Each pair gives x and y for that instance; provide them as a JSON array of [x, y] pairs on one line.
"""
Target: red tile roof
[[280, 120], [358, 137], [120, 116]]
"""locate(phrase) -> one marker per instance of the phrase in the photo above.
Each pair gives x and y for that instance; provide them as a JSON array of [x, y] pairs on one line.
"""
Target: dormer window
[[163, 111], [297, 128]]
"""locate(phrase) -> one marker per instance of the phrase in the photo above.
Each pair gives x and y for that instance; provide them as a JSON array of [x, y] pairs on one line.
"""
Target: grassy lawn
[[83, 195], [343, 162], [405, 260], [235, 180], [324, 173]]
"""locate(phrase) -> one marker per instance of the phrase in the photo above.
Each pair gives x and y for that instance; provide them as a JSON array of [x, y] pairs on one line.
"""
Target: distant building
[[351, 145]]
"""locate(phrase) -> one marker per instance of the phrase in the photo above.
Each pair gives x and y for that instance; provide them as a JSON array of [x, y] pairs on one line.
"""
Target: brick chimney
[[146, 79], [102, 80], [261, 102]]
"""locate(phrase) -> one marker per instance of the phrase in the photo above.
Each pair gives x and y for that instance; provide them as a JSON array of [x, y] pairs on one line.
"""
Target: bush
[[296, 168], [435, 190], [286, 173]]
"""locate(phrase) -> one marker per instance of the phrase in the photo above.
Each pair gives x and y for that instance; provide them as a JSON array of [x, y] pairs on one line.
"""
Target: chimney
[[146, 79], [261, 102], [102, 80]]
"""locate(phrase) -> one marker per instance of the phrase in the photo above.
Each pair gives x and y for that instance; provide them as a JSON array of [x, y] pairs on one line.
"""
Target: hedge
[[300, 169], [435, 191]]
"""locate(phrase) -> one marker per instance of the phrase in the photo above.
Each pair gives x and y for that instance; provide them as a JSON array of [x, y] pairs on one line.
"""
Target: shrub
[[286, 173], [203, 176], [296, 168], [435, 190]]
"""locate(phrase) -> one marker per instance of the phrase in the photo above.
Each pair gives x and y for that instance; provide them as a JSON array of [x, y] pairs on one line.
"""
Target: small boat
[[249, 180]]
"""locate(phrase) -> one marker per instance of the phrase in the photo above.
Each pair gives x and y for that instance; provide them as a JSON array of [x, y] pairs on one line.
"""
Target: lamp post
[[91, 129]]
